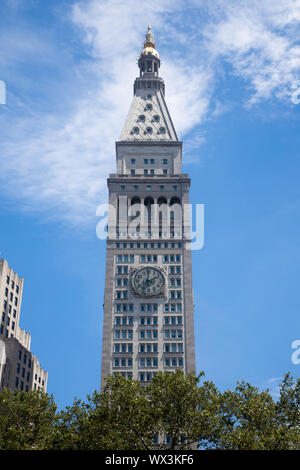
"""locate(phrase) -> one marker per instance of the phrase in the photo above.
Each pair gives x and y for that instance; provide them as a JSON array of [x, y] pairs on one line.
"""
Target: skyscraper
[[19, 368], [148, 322]]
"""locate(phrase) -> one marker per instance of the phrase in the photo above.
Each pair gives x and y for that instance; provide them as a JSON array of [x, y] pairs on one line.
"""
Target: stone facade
[[149, 331], [19, 368]]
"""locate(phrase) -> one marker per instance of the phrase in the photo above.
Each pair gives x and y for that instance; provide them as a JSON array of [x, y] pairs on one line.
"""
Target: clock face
[[148, 281]]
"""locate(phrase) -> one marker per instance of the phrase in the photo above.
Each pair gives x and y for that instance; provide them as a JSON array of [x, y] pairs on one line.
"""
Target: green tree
[[186, 415], [26, 420], [118, 418], [127, 416], [253, 420]]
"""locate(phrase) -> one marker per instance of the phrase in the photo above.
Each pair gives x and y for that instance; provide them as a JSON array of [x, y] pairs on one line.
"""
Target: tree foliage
[[26, 420], [174, 411]]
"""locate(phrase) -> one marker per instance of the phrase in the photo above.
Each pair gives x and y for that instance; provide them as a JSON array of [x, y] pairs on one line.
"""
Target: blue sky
[[229, 69]]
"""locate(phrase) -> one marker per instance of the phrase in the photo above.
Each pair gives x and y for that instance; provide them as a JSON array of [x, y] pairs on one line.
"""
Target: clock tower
[[148, 321]]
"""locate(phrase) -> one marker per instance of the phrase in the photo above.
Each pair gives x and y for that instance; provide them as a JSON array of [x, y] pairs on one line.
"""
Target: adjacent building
[[148, 303], [19, 368]]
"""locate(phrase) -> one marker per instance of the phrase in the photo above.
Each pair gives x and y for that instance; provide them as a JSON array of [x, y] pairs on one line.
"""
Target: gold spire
[[149, 38], [149, 44]]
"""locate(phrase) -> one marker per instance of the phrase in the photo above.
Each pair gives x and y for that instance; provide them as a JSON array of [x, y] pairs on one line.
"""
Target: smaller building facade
[[19, 367]]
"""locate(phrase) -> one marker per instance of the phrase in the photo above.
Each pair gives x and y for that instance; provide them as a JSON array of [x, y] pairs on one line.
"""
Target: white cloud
[[273, 385], [260, 39], [58, 162]]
